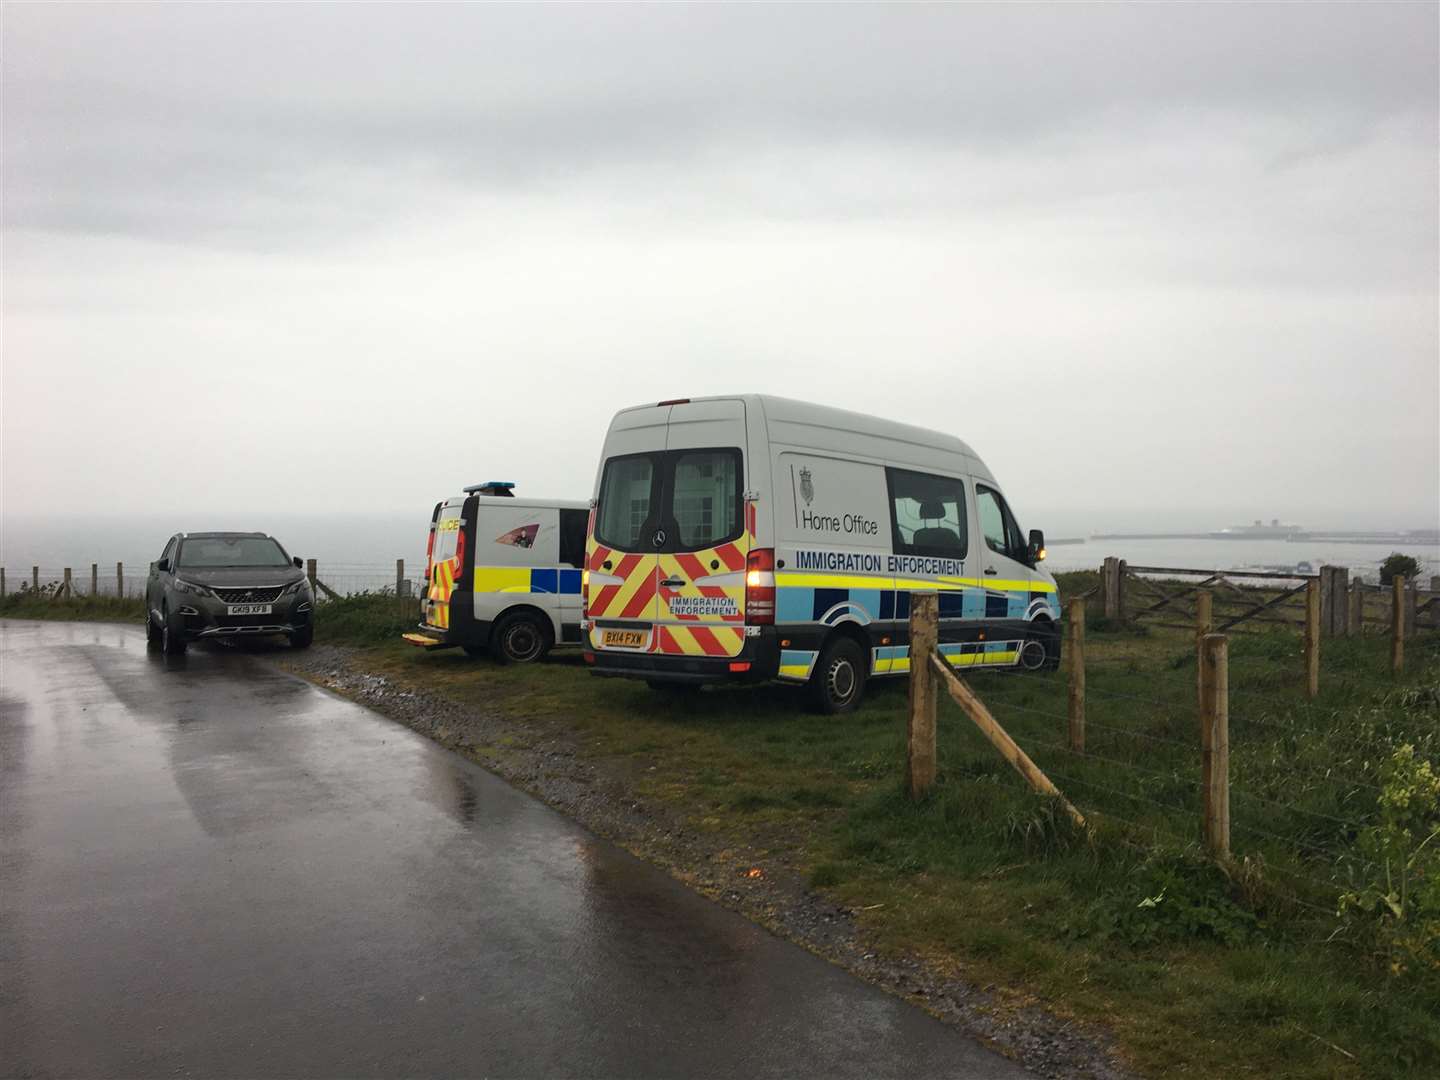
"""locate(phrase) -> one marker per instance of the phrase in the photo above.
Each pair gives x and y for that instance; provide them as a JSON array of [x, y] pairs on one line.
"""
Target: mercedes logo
[[659, 538]]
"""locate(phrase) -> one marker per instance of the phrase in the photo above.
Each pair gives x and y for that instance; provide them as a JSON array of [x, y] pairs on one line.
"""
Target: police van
[[503, 574], [755, 537]]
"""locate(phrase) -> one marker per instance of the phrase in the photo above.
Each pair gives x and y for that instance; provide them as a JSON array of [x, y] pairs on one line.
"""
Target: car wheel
[[520, 638], [838, 681], [172, 637], [152, 631], [301, 639]]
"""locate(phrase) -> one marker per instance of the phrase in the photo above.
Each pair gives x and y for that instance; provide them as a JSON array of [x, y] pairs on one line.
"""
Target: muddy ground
[[545, 759]]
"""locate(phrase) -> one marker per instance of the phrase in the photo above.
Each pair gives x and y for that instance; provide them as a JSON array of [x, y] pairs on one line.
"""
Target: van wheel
[[152, 630], [838, 681], [172, 638], [301, 639], [520, 638]]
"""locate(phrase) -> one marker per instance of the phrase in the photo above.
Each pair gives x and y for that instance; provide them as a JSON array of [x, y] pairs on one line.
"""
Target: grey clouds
[[1145, 258]]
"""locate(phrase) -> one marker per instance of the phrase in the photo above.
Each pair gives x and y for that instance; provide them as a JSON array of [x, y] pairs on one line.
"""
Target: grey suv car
[[225, 584]]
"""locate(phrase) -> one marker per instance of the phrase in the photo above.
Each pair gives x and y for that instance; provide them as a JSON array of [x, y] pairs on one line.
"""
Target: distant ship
[[1258, 531]]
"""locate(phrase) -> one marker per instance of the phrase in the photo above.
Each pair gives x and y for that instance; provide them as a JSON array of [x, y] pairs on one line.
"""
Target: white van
[[755, 537], [503, 574]]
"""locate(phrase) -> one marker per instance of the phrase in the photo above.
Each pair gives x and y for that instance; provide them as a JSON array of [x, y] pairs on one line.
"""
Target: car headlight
[[192, 588], [296, 587]]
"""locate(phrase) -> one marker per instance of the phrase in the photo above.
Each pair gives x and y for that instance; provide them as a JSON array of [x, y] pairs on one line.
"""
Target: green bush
[[1395, 904], [1396, 563]]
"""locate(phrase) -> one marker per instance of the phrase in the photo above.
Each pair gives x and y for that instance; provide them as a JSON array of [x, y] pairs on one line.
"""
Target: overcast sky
[[1162, 261]]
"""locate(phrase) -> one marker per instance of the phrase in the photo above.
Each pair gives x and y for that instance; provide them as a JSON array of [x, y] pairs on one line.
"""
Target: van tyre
[[838, 682], [301, 639], [521, 638], [152, 630], [172, 637]]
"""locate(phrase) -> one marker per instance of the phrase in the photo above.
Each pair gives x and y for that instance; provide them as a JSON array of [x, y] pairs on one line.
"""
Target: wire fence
[[129, 580], [1304, 775]]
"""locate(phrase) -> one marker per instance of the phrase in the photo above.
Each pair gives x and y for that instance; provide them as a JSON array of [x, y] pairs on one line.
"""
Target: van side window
[[572, 537], [169, 551], [927, 514], [626, 489], [998, 525]]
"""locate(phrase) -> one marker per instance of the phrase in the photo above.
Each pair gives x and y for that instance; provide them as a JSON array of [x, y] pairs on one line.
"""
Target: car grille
[[257, 595]]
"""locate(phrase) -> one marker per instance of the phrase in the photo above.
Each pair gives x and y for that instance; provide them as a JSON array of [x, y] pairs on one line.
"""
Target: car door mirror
[[298, 564], [1037, 546], [163, 565]]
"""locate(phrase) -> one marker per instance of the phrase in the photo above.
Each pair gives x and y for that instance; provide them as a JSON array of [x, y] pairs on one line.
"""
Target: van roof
[[845, 423], [509, 502]]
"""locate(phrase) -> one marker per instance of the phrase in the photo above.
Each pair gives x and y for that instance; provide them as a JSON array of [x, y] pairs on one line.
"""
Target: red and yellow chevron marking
[[632, 597], [691, 640], [692, 567], [442, 584], [750, 518]]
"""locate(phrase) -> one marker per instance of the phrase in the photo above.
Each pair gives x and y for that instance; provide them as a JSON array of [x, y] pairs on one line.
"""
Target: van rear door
[[621, 558], [701, 587]]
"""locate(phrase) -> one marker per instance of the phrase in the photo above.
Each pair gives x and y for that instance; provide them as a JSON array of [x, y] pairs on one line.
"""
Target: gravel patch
[[543, 757]]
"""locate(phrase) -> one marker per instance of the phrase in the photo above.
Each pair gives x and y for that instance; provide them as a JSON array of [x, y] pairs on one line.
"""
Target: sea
[[358, 551]]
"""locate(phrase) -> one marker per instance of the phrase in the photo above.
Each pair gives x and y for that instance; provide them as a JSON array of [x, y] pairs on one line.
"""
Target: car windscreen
[[217, 552]]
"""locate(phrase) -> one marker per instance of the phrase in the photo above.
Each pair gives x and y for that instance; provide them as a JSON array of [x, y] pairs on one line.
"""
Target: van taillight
[[460, 551], [760, 587], [429, 555]]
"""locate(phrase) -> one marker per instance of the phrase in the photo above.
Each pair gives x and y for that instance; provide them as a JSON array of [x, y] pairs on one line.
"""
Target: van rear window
[[693, 497], [706, 503], [625, 493]]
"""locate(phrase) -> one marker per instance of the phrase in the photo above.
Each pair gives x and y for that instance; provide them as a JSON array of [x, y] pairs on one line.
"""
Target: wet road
[[212, 868]]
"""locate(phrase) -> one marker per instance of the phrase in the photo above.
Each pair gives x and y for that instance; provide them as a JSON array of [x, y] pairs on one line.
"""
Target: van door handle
[[673, 582], [991, 570]]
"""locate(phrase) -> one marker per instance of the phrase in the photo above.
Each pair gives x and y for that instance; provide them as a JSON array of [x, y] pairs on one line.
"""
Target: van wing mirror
[[163, 565], [298, 564], [1037, 546]]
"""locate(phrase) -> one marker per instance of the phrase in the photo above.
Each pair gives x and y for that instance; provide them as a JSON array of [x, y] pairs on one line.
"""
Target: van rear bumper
[[762, 653]]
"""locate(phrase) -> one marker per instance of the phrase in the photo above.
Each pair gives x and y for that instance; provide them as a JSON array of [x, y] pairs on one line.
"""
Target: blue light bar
[[490, 487]]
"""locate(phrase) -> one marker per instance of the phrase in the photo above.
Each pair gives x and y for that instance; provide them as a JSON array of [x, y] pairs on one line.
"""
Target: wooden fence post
[[94, 580], [1204, 624], [1312, 638], [400, 581], [35, 578], [1334, 601], [1076, 619], [66, 589], [1356, 614], [1397, 624], [1113, 580], [310, 572], [2, 582], [1215, 744], [120, 580], [920, 740]]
